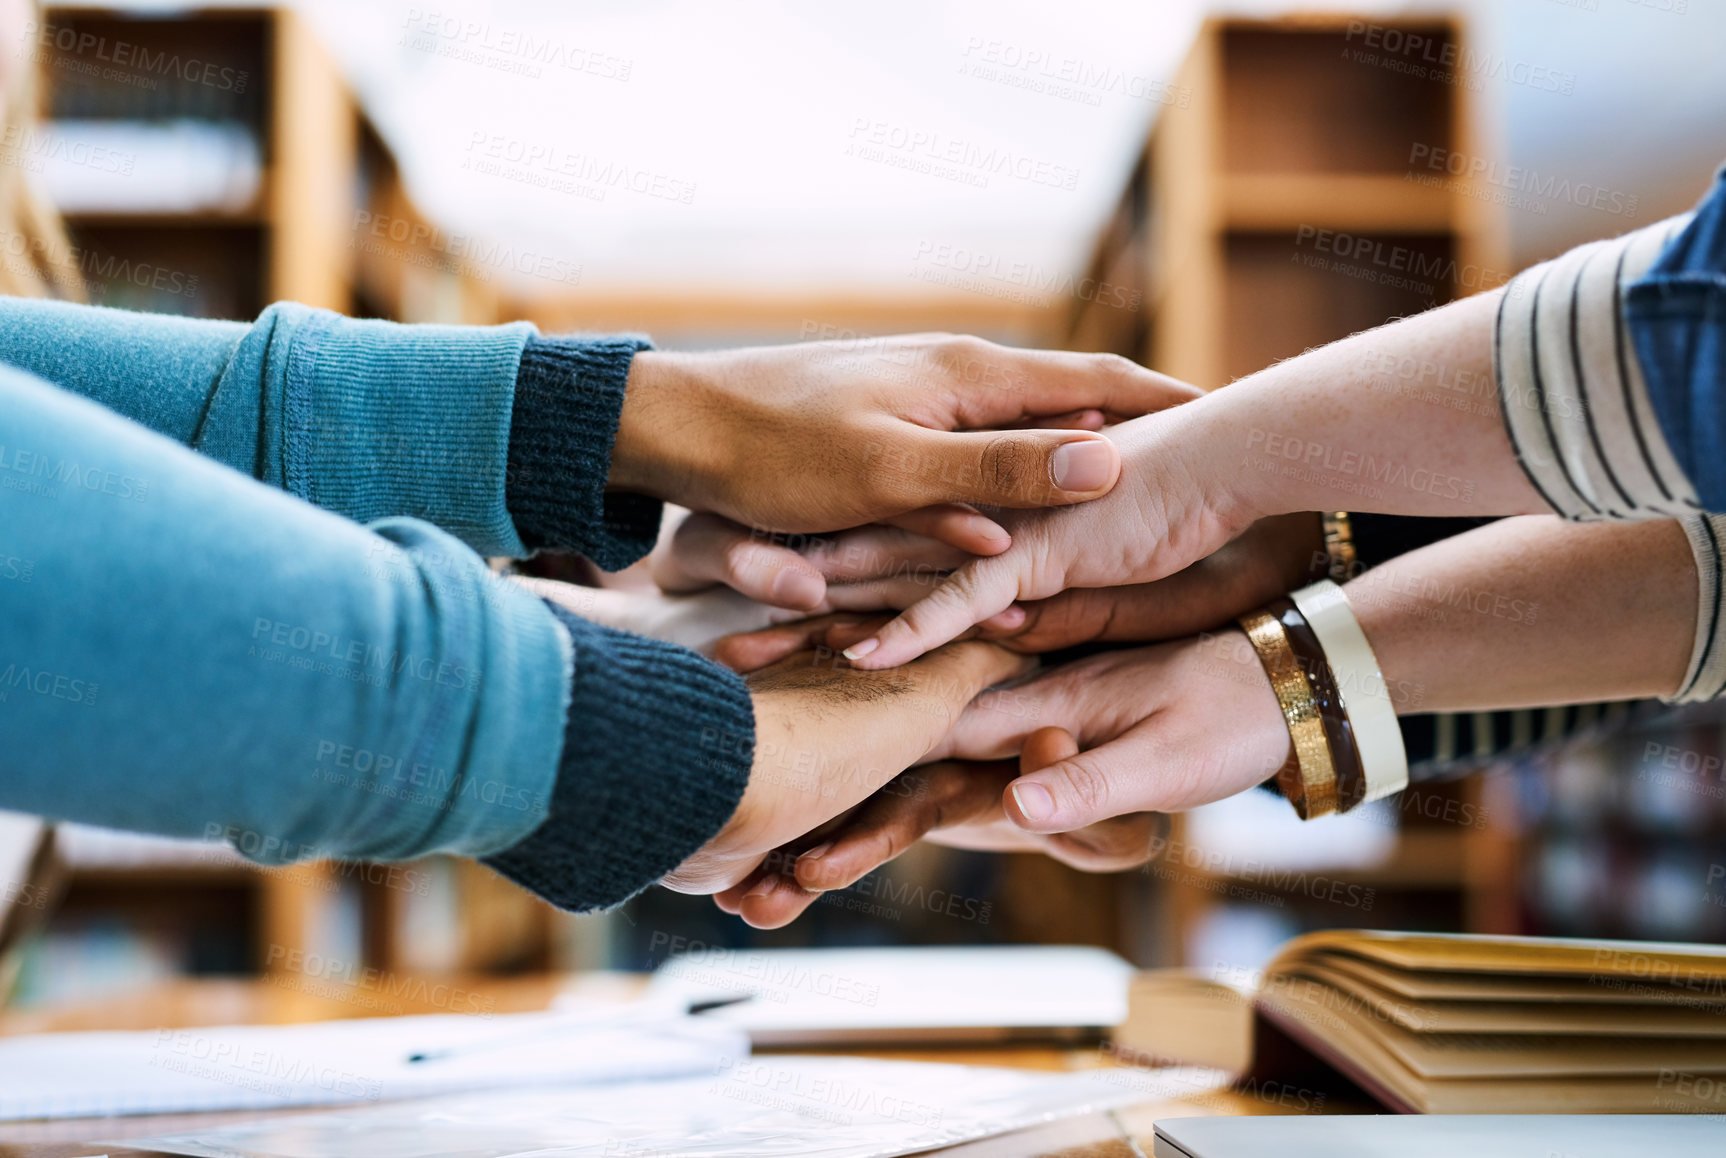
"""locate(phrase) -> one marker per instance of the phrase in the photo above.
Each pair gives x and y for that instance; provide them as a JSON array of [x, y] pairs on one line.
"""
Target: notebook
[[918, 996]]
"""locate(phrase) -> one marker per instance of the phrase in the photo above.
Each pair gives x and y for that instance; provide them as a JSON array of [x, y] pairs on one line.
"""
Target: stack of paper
[[360, 1060], [831, 1107]]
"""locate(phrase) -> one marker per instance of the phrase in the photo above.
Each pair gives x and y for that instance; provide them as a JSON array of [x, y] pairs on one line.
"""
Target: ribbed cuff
[[656, 754], [568, 395]]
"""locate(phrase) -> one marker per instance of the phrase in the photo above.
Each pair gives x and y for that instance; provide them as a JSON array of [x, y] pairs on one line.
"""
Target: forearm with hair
[[1402, 419]]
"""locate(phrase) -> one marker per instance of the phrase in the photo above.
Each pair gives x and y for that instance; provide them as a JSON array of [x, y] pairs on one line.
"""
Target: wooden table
[[279, 1001]]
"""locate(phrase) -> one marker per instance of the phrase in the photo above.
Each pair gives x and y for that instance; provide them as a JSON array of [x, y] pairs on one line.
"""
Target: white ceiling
[[747, 113]]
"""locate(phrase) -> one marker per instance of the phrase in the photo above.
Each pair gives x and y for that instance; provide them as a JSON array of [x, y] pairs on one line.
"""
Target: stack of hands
[[890, 538], [1017, 503]]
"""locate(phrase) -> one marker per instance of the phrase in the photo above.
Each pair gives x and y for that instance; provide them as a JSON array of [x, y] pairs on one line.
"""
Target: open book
[[1461, 1024]]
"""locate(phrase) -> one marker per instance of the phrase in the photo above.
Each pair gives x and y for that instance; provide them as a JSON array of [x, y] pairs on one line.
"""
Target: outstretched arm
[[1587, 387], [1524, 611]]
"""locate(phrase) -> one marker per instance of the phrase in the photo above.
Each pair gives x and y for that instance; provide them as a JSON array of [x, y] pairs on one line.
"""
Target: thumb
[[1081, 789], [1021, 468]]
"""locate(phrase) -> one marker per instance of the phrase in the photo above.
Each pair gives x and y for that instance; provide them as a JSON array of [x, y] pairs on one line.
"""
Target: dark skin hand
[[956, 803]]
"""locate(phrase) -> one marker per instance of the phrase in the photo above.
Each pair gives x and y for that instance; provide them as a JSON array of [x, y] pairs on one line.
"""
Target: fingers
[[1139, 612], [876, 552], [1005, 468], [1091, 419], [1109, 846], [957, 525], [965, 598], [772, 902], [903, 812], [1046, 746], [752, 650], [708, 548], [1059, 382]]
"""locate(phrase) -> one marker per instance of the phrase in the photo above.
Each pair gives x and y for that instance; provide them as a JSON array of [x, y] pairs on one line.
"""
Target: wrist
[[660, 434], [1256, 460], [1193, 461]]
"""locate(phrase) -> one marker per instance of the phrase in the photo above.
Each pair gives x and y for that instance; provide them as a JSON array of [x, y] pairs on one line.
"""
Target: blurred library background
[[1199, 188]]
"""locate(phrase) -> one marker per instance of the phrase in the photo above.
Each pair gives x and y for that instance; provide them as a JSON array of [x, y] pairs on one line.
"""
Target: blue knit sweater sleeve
[[568, 396], [500, 437], [492, 435], [656, 755]]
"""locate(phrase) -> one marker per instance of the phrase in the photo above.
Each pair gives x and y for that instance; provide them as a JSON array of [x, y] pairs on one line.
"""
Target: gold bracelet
[[1308, 778], [1339, 545]]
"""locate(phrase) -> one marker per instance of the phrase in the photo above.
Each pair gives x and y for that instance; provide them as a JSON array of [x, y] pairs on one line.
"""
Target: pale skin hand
[[1273, 556], [808, 438], [828, 737], [813, 573], [1523, 612], [1345, 426]]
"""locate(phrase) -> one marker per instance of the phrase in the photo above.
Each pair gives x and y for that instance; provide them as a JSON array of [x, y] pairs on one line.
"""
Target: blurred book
[[1066, 993], [1462, 1024], [146, 167], [31, 877], [1187, 1017]]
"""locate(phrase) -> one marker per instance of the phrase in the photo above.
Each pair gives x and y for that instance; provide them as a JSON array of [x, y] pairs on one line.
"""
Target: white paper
[[799, 996], [358, 1060], [778, 1105]]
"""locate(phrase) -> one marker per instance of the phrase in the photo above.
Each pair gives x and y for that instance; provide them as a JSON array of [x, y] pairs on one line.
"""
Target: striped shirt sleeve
[[1575, 402], [1705, 678]]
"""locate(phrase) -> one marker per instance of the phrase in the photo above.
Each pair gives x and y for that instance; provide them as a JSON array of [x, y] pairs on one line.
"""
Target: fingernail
[[817, 852], [797, 589], [763, 889], [1011, 618], [985, 528], [1082, 466], [859, 650], [1034, 801]]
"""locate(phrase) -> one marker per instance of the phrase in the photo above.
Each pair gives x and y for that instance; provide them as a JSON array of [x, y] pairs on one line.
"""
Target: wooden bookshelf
[[323, 172], [1287, 134], [261, 72]]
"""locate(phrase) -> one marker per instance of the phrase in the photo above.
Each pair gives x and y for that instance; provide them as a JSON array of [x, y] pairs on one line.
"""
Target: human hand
[[1177, 501], [827, 737], [955, 803], [817, 436], [1162, 728], [1271, 557], [866, 567]]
